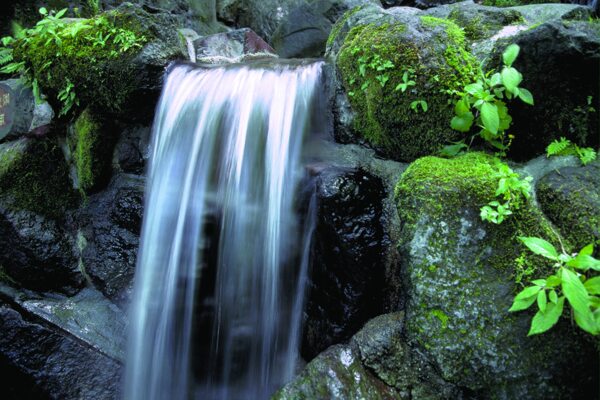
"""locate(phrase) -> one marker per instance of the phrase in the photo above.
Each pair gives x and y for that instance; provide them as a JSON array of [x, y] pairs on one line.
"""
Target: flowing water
[[223, 256]]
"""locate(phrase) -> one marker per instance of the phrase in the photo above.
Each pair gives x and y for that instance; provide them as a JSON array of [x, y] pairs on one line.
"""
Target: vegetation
[[575, 279], [564, 147], [65, 57]]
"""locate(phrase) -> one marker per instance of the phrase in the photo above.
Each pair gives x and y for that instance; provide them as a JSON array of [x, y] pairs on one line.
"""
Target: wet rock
[[347, 267], [304, 31], [49, 364], [132, 150], [37, 253], [459, 279], [563, 85], [108, 238], [232, 45], [570, 197], [337, 373], [19, 113]]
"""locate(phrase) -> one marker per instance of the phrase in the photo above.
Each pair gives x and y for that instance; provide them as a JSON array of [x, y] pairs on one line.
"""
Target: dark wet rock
[[560, 63], [459, 279], [232, 45], [570, 197], [347, 267], [304, 31], [337, 373], [46, 363], [37, 253], [416, 3], [262, 16], [132, 150], [109, 236]]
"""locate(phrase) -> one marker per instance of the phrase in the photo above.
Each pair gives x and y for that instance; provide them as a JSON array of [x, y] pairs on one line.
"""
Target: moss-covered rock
[[513, 3], [378, 52], [34, 176], [91, 142], [570, 197], [459, 275], [110, 62]]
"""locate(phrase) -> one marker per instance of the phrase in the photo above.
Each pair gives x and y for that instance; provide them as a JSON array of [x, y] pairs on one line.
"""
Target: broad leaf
[[510, 54], [463, 122], [540, 246], [553, 281], [525, 298], [553, 297], [526, 96], [490, 118], [511, 79], [575, 292], [586, 321], [474, 88], [587, 250], [542, 321], [592, 285], [584, 262], [542, 300]]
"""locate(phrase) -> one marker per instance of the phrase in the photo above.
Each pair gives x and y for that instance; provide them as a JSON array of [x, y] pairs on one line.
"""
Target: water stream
[[221, 269]]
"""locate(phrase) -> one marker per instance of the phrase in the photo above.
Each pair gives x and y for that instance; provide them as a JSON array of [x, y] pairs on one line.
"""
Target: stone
[[42, 362], [132, 150], [230, 45], [19, 113], [570, 197], [347, 267], [108, 236]]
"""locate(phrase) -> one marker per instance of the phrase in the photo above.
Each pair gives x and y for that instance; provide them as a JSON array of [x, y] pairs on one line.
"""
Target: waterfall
[[222, 263]]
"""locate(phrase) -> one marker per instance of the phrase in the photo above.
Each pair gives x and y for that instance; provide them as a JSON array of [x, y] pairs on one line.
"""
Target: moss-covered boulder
[[34, 176], [570, 197], [397, 68], [112, 62], [91, 142], [560, 63], [459, 275]]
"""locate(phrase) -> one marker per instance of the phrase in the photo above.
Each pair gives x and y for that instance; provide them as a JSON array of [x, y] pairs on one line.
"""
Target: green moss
[[35, 177], [337, 27], [439, 63], [91, 144], [514, 3], [96, 60], [441, 316]]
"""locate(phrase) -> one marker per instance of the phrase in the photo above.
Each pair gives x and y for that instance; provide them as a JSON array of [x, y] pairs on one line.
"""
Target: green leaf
[[474, 88], [552, 296], [557, 147], [525, 298], [461, 107], [587, 250], [511, 79], [586, 321], [43, 11], [540, 247], [542, 321], [510, 54], [526, 96], [539, 282], [61, 13], [490, 118], [542, 300], [553, 281], [453, 150], [592, 285], [462, 123], [584, 262], [575, 292]]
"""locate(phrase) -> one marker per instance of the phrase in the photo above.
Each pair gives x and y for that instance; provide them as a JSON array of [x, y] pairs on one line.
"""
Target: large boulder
[[108, 236], [396, 68], [304, 31], [41, 362], [459, 277], [560, 63], [570, 197]]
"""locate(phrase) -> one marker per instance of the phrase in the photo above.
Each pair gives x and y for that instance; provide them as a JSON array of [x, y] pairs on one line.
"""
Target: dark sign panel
[[7, 109]]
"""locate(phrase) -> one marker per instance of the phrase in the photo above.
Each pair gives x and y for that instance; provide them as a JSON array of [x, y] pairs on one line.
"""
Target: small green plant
[[482, 103], [419, 103], [511, 190], [564, 147], [406, 81], [374, 63], [62, 35], [574, 281]]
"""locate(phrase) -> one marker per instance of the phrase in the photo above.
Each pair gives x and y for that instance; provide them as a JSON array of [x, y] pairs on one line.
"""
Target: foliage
[[19, 54], [575, 281], [482, 102], [565, 147], [511, 190], [375, 63]]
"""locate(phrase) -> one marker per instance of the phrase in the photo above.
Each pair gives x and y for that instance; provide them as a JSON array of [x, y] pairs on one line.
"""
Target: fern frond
[[558, 147], [585, 154]]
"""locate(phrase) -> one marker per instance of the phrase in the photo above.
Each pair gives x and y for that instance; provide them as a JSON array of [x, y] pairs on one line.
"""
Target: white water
[[220, 215]]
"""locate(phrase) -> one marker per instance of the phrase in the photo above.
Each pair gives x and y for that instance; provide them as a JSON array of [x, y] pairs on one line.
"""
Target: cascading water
[[223, 253]]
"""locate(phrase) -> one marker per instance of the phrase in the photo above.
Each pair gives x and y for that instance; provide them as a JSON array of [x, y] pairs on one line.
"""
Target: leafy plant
[[406, 81], [482, 103], [565, 147], [374, 63], [419, 103], [511, 190], [575, 281]]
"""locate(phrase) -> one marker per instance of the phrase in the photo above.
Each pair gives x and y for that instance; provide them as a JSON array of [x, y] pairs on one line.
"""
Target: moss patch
[[34, 176], [429, 51], [91, 144]]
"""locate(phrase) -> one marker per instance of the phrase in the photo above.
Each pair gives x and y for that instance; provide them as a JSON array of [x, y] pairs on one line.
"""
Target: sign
[[7, 109]]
